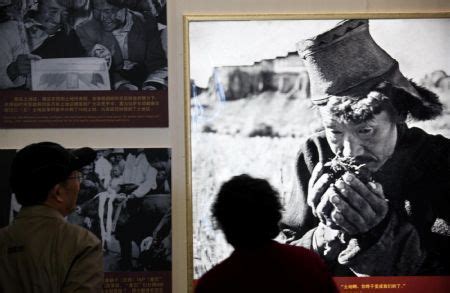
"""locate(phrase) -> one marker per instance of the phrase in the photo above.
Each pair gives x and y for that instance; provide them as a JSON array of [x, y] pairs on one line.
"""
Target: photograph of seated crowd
[[130, 35], [125, 200]]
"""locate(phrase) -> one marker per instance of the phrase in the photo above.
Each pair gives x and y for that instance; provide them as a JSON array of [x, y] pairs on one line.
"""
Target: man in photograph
[[373, 194], [40, 250], [133, 43], [141, 211], [44, 33]]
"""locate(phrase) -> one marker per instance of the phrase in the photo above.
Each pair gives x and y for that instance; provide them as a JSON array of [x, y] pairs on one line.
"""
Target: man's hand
[[121, 197], [88, 183], [127, 87], [101, 51], [21, 66], [325, 208], [146, 243], [88, 222], [327, 242], [357, 207], [318, 184], [148, 87]]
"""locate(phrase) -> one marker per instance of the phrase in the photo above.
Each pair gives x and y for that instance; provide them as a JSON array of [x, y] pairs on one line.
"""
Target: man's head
[[247, 210], [361, 128], [361, 93], [111, 16], [47, 173], [158, 158], [116, 171], [52, 14], [118, 154], [88, 169]]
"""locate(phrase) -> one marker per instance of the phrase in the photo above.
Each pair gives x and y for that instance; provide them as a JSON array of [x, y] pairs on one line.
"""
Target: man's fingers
[[315, 175], [324, 207], [342, 222], [377, 189], [318, 189], [346, 217], [360, 206], [372, 193], [351, 180], [357, 202], [380, 206]]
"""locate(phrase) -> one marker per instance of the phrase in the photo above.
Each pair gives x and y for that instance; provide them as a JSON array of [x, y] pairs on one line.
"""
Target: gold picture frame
[[203, 34]]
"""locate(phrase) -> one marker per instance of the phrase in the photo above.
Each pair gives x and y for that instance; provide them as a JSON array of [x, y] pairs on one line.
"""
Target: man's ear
[[56, 193]]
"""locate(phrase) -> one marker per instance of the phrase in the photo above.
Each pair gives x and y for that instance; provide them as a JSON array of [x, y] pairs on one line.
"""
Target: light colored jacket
[[41, 252], [11, 47]]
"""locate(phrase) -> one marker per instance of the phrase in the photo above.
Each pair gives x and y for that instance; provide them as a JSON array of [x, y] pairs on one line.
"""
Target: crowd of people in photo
[[131, 35]]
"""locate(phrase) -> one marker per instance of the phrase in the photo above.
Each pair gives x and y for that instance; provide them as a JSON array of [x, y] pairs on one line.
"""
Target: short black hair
[[248, 210]]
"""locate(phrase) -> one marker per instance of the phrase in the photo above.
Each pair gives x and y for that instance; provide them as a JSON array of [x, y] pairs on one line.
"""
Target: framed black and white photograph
[[83, 63], [294, 98], [125, 200]]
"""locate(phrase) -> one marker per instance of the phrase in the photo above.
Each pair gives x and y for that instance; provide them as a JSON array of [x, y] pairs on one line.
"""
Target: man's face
[[51, 16], [71, 188], [157, 164], [110, 16], [370, 142], [115, 171], [86, 170], [112, 159], [119, 157], [161, 176]]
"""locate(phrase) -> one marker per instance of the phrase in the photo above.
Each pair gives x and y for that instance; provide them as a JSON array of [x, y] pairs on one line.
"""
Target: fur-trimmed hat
[[346, 61]]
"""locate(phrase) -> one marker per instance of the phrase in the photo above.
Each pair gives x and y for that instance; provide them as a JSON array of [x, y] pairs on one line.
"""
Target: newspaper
[[70, 74]]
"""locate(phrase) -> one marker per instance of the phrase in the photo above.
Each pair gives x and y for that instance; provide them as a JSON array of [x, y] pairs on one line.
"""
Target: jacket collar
[[127, 26], [404, 167], [38, 211]]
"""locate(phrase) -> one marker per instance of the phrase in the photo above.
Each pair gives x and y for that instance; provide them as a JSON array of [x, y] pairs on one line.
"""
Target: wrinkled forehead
[[331, 120]]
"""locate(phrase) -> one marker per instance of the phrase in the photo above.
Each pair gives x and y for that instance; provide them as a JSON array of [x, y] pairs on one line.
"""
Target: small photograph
[[348, 119], [125, 200], [48, 45]]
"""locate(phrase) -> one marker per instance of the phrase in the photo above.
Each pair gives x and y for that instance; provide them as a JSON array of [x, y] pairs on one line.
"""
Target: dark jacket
[[414, 237], [61, 45], [271, 267], [144, 48]]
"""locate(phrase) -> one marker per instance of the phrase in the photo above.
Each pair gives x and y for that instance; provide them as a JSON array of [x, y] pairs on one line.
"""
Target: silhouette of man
[[248, 212]]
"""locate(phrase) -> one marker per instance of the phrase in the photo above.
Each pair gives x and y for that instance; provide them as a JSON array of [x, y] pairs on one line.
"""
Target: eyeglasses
[[79, 177]]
